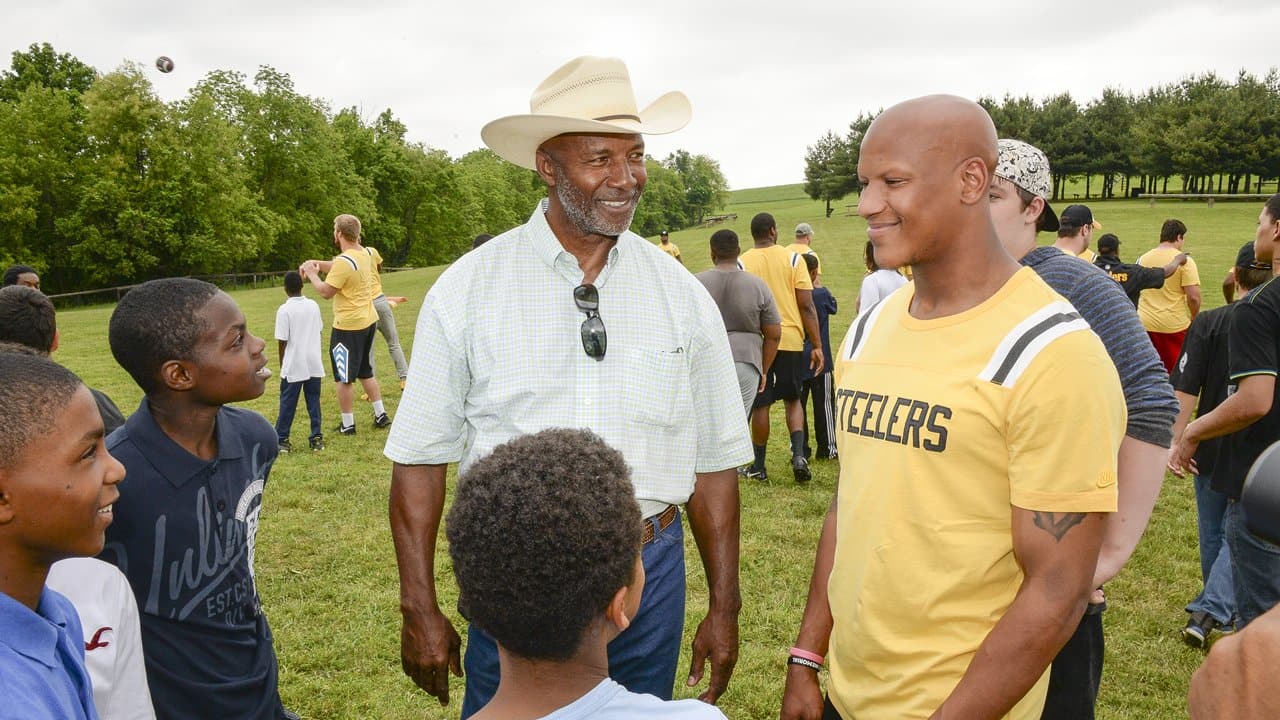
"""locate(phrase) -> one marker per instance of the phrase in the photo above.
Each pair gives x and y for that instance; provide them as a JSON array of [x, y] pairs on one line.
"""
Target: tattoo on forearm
[[1057, 524]]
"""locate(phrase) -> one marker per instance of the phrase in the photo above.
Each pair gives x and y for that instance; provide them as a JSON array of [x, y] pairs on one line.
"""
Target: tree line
[[102, 183], [1204, 133]]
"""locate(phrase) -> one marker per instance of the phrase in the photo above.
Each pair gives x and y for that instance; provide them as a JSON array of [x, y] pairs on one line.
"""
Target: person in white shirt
[[298, 330], [112, 638], [878, 283], [522, 521]]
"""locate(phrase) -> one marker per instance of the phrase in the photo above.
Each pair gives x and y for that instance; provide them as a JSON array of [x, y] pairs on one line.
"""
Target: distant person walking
[[750, 315], [1167, 311], [669, 247], [788, 279], [818, 384]]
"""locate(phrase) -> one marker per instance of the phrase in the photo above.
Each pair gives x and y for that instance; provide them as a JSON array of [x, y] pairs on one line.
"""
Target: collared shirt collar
[[170, 459], [35, 638], [548, 248]]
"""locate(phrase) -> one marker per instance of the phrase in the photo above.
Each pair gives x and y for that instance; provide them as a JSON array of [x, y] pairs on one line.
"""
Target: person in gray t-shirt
[[750, 314]]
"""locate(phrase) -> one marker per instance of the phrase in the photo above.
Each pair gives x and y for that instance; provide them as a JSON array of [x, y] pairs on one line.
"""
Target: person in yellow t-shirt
[[804, 244], [1075, 232], [1166, 312], [668, 247], [979, 420], [351, 282], [788, 279]]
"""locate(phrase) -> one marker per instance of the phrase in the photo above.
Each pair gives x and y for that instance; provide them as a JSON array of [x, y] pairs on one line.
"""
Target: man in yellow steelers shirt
[[351, 281], [1166, 312], [788, 279], [979, 421]]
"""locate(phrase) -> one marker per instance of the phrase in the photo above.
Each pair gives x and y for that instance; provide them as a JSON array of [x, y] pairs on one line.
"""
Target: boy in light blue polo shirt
[[57, 489]]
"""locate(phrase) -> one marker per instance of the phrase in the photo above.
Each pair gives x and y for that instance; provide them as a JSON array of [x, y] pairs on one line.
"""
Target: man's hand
[[1178, 261], [1182, 454], [802, 695], [716, 640], [429, 651], [816, 360]]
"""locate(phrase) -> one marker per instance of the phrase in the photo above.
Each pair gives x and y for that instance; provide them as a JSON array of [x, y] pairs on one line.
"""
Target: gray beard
[[577, 206]]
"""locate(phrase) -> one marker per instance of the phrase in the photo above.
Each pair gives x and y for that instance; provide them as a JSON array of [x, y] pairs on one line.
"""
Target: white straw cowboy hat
[[586, 95]]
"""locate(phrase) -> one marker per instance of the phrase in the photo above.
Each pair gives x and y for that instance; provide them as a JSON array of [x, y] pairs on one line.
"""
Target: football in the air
[[164, 64]]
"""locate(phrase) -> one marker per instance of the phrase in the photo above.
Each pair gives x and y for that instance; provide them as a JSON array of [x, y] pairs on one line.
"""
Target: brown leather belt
[[664, 518]]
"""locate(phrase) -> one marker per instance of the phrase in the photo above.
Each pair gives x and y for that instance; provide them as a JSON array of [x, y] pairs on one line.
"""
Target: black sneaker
[[381, 420], [1196, 633], [317, 442], [753, 473], [346, 429], [285, 447], [800, 468]]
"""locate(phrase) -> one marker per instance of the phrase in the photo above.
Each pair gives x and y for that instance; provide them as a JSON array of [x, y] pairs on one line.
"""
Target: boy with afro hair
[[553, 600], [187, 521], [57, 490]]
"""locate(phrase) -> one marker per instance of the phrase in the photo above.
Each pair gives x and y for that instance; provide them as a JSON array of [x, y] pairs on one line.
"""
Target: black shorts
[[351, 353], [785, 379]]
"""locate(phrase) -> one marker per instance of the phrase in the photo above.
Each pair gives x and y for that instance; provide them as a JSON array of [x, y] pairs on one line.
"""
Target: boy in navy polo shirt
[[57, 487], [186, 524]]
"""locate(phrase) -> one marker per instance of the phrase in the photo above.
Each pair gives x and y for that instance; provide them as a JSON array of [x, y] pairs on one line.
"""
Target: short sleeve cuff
[[1103, 499]]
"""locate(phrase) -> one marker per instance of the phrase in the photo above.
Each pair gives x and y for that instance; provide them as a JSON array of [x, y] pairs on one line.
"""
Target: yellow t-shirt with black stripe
[[942, 426], [802, 249], [784, 272], [353, 274]]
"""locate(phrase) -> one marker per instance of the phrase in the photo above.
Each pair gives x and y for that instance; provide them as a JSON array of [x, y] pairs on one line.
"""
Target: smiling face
[[596, 179], [228, 362], [900, 189], [57, 497]]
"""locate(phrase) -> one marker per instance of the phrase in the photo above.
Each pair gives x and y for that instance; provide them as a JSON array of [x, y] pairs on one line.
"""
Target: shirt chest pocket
[[655, 386]]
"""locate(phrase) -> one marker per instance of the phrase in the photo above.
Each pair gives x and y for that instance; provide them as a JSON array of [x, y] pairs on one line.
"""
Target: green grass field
[[326, 570]]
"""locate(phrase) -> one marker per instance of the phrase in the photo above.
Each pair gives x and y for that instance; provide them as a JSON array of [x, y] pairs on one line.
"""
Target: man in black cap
[[1075, 229], [1133, 278]]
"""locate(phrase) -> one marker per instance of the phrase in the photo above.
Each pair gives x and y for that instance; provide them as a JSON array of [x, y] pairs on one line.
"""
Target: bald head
[[944, 126]]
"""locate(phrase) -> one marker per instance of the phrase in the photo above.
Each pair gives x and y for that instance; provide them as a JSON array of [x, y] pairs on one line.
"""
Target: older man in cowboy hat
[[571, 320]]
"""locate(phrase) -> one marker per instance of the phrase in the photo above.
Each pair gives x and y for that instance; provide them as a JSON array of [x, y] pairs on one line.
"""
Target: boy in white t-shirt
[[545, 536], [298, 330]]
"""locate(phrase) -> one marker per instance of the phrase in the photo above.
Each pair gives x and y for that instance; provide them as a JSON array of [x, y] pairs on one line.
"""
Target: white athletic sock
[[377, 407], [348, 419]]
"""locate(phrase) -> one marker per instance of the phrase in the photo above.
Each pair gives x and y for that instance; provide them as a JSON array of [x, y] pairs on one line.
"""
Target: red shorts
[[1168, 347]]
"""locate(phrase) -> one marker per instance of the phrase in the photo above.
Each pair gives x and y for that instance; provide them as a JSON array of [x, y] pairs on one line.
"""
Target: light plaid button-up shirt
[[498, 354]]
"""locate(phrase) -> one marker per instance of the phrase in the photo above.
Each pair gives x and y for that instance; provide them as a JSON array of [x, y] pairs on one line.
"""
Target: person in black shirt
[[1133, 278], [1201, 373], [1250, 418]]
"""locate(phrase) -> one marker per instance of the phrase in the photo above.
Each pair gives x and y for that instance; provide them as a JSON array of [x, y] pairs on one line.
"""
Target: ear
[[1034, 209], [178, 375], [975, 180], [616, 612], [56, 337], [6, 502], [545, 165]]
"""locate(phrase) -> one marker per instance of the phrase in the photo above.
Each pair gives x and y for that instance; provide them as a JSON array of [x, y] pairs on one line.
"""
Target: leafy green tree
[[42, 66], [829, 173], [705, 187], [662, 205]]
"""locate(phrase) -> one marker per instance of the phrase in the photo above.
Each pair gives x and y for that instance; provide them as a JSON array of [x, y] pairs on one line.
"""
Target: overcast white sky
[[766, 79]]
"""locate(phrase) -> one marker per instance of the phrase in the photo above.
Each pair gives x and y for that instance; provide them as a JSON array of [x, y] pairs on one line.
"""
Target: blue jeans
[[289, 405], [1218, 599], [642, 659], [1255, 566]]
